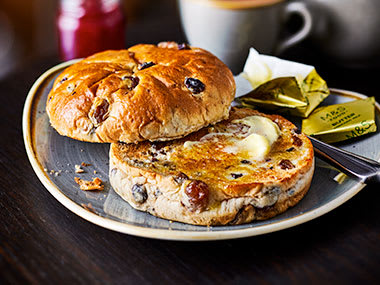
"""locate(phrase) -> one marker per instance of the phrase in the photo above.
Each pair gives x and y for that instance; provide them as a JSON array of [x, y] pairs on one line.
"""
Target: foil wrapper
[[340, 122], [282, 86]]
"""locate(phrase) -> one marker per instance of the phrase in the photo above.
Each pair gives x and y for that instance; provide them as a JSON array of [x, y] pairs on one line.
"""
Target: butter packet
[[281, 85], [340, 122]]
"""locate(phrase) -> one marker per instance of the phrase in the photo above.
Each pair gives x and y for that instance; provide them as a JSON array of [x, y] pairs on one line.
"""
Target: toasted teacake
[[249, 167]]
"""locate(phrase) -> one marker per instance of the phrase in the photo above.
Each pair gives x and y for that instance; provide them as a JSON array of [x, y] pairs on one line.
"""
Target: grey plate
[[50, 153]]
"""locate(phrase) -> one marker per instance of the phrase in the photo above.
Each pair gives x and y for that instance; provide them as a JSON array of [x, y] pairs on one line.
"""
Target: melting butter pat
[[261, 126], [257, 146], [189, 144], [255, 142], [263, 132]]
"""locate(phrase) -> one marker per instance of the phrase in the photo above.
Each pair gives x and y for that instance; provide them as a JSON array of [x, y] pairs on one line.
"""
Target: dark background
[[43, 242]]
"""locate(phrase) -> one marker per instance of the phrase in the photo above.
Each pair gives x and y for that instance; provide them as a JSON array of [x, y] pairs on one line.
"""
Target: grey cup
[[229, 32]]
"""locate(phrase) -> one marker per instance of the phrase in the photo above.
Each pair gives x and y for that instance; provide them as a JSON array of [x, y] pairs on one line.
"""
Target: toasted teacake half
[[146, 92], [212, 177]]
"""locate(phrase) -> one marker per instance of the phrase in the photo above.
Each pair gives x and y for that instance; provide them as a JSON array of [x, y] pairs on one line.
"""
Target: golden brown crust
[[110, 96], [266, 189]]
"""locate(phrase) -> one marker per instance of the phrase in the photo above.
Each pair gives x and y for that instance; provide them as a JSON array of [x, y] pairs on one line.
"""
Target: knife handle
[[364, 169]]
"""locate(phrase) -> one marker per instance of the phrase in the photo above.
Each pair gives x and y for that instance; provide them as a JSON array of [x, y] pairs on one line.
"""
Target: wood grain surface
[[43, 242]]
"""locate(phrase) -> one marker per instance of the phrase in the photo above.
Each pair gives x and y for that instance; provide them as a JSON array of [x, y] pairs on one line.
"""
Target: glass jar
[[89, 26]]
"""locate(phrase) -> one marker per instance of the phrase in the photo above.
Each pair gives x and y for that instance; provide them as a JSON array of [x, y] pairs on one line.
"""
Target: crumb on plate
[[88, 207], [95, 184], [78, 169]]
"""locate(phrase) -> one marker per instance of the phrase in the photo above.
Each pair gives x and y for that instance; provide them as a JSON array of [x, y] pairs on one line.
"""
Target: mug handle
[[296, 8]]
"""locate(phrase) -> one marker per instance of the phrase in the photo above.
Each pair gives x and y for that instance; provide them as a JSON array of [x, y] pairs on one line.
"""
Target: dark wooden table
[[43, 242]]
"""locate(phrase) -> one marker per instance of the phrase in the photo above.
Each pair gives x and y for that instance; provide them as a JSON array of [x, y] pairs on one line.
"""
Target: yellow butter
[[288, 95], [263, 132], [340, 122], [282, 86], [255, 143], [261, 126]]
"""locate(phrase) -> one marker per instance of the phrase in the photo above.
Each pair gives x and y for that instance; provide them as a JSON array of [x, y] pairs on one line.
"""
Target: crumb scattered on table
[[85, 164], [95, 184]]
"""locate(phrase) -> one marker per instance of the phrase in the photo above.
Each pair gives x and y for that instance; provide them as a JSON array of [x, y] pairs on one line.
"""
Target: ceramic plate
[[53, 158]]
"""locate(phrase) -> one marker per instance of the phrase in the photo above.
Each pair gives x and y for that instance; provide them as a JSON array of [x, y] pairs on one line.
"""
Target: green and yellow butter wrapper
[[282, 86], [340, 122]]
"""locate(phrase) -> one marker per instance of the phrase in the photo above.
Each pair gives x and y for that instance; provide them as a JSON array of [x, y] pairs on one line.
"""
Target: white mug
[[228, 28]]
